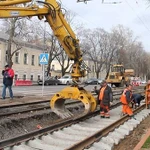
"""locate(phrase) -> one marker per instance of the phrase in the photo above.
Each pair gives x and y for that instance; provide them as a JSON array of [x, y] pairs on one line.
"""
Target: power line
[[138, 16], [79, 15]]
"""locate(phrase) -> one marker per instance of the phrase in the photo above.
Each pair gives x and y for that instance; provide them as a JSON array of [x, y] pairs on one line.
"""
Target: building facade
[[26, 61]]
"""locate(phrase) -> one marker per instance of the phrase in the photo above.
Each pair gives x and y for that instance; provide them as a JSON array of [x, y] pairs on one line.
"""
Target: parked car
[[100, 80], [143, 82], [49, 81], [66, 79], [92, 81]]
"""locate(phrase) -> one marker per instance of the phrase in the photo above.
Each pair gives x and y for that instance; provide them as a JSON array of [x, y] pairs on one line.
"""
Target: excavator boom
[[52, 12]]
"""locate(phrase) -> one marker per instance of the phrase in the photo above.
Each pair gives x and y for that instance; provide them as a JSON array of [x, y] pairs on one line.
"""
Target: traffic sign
[[44, 58]]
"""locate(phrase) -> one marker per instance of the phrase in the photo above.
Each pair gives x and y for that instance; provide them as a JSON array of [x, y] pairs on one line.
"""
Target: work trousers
[[104, 110], [4, 91], [126, 109], [148, 99]]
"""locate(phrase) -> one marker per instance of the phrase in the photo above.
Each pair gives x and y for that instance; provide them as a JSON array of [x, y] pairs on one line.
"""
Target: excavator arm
[[52, 12]]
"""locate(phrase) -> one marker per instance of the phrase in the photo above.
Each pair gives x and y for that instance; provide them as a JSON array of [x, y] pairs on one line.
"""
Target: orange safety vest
[[148, 90], [123, 97], [101, 95], [147, 94]]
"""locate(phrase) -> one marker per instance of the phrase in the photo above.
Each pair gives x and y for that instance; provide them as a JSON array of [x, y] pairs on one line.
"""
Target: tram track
[[15, 110], [57, 124], [20, 108], [79, 133]]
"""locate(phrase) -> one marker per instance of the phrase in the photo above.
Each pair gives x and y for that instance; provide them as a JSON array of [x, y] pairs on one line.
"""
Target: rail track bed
[[30, 107], [22, 118], [21, 123], [91, 132]]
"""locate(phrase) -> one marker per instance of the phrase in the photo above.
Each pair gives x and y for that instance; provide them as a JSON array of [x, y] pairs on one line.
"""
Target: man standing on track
[[126, 99], [105, 97]]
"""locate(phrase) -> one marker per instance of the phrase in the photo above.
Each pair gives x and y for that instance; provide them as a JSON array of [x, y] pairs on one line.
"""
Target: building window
[[6, 56], [53, 67], [93, 69], [32, 60], [24, 77], [38, 77], [31, 78], [16, 76], [39, 60], [25, 58], [17, 57]]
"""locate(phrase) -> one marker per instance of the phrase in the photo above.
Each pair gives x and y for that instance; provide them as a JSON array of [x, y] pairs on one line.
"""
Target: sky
[[134, 14]]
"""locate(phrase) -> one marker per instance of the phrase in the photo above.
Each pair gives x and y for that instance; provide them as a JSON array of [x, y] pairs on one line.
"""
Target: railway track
[[29, 135], [80, 133], [20, 108], [4, 112]]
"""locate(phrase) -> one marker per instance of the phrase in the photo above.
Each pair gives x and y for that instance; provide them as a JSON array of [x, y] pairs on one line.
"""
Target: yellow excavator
[[52, 12], [119, 76]]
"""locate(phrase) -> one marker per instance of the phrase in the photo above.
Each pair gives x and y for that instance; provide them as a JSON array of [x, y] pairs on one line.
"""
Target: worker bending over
[[105, 97], [126, 99]]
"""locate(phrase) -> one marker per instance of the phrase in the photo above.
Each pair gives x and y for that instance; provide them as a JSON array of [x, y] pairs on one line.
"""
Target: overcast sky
[[134, 14]]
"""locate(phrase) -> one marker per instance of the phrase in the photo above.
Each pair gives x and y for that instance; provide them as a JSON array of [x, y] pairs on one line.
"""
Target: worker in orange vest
[[147, 95], [105, 97], [126, 99]]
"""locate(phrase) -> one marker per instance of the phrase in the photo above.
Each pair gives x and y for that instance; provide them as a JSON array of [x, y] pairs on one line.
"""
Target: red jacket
[[11, 73], [8, 76]]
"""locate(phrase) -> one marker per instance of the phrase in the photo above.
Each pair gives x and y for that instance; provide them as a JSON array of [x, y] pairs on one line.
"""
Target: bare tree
[[54, 51], [97, 43], [11, 27], [130, 51], [64, 61]]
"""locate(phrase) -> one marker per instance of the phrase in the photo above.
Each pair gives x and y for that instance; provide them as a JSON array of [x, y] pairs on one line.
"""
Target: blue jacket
[[7, 79]]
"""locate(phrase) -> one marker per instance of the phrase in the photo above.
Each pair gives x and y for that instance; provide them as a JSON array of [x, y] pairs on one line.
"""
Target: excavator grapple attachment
[[57, 102]]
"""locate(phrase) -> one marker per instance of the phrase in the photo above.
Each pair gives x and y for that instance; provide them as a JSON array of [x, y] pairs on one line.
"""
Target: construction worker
[[147, 95], [126, 99], [105, 97], [137, 98]]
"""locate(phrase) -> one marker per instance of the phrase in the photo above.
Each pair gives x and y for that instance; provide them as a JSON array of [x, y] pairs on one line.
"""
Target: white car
[[66, 79]]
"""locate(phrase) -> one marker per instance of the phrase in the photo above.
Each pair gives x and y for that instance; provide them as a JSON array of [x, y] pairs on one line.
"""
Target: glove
[[111, 103]]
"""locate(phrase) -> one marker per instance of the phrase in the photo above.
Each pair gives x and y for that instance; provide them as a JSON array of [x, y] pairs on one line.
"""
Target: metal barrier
[[23, 82]]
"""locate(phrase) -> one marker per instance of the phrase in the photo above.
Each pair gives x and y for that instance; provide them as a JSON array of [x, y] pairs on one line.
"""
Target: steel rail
[[22, 104], [65, 123], [44, 101], [115, 97], [34, 109], [97, 136]]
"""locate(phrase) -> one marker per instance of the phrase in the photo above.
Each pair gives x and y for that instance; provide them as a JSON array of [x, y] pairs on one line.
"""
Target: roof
[[4, 37]]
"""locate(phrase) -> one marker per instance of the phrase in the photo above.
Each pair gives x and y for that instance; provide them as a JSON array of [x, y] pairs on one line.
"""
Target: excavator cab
[[118, 69]]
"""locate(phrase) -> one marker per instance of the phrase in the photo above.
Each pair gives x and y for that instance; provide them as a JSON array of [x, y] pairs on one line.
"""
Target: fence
[[23, 82]]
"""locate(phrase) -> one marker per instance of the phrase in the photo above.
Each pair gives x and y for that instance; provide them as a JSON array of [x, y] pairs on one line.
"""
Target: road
[[37, 90]]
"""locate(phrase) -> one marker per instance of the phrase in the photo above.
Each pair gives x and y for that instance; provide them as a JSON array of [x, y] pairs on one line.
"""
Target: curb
[[143, 140]]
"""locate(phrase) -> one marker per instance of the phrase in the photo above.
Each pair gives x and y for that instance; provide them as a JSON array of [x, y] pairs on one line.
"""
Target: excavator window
[[117, 69]]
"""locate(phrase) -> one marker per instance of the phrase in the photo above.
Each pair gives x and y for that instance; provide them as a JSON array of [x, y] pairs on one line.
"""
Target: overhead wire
[[145, 25], [141, 20], [78, 14], [139, 7]]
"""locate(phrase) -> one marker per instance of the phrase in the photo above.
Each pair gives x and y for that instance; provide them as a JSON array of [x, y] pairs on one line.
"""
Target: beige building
[[26, 61]]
